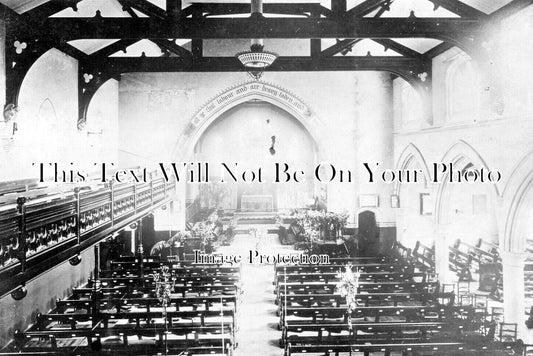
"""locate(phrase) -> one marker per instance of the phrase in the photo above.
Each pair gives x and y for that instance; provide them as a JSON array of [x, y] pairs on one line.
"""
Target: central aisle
[[258, 333]]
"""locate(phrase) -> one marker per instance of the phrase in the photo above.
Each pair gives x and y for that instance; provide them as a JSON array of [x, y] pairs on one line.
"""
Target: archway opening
[[247, 149], [414, 218]]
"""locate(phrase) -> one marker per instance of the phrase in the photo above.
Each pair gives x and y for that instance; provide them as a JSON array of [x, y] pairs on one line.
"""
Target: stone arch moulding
[[238, 94], [515, 194], [460, 154], [411, 154]]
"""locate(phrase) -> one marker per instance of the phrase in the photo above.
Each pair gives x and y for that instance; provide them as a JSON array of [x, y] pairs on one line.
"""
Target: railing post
[[21, 208], [140, 249], [96, 281], [112, 188], [151, 188], [134, 199], [77, 192]]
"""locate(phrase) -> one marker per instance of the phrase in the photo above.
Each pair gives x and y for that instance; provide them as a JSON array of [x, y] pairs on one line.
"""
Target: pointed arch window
[[462, 88]]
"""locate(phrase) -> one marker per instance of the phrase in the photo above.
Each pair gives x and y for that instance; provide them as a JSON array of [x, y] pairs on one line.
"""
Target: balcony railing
[[38, 233]]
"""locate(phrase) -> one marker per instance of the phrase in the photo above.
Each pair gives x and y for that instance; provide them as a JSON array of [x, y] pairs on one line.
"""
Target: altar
[[257, 202]]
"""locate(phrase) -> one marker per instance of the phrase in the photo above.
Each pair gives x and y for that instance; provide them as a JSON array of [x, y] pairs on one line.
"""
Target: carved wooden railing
[[36, 234]]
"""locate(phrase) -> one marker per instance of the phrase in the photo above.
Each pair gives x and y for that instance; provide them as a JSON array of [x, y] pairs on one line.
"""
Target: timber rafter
[[199, 22]]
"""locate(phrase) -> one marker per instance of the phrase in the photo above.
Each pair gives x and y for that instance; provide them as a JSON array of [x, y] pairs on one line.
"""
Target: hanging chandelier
[[256, 60]]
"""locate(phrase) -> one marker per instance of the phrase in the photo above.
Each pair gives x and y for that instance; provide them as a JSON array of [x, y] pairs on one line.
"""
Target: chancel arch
[[254, 137], [242, 93]]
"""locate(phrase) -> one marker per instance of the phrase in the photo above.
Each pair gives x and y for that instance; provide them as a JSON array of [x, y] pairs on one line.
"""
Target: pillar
[[374, 142], [442, 242], [513, 289], [139, 230]]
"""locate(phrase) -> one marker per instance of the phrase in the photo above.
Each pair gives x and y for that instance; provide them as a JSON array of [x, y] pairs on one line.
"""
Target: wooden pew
[[179, 271], [124, 338], [460, 262], [331, 277], [424, 257], [362, 267], [377, 314], [481, 348], [369, 299], [180, 280], [122, 303], [369, 287], [190, 351], [330, 333], [400, 251], [77, 321], [185, 265], [183, 290]]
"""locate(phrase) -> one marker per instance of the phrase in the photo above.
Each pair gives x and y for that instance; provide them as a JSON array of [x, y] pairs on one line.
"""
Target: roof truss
[[198, 22]]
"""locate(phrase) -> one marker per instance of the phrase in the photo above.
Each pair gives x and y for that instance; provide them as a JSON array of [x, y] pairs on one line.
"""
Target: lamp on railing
[[19, 293], [164, 286], [74, 261], [256, 60], [9, 122]]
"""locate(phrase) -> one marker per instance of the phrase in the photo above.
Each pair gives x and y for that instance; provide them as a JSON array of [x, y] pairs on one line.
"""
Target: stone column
[[513, 289], [374, 142], [442, 242]]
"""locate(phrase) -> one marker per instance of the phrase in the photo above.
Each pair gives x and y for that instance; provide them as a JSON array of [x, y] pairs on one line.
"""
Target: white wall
[[243, 135], [47, 124], [155, 109], [47, 121], [42, 295], [496, 129]]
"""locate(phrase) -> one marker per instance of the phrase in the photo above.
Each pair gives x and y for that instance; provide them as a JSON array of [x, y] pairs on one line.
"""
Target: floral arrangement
[[205, 232], [314, 222], [180, 236], [229, 233], [174, 241], [347, 287]]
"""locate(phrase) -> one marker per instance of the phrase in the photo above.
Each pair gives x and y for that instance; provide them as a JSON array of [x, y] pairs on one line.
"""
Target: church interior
[[266, 177]]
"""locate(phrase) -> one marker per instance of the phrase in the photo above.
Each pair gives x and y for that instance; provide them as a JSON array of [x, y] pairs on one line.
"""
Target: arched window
[[462, 90], [411, 106]]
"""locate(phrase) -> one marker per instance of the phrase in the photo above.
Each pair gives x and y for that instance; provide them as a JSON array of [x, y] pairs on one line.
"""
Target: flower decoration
[[164, 285], [347, 287], [313, 222]]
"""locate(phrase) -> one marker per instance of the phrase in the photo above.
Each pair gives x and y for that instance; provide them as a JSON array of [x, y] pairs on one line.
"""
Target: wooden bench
[[76, 321], [484, 347], [380, 313], [122, 303], [424, 257]]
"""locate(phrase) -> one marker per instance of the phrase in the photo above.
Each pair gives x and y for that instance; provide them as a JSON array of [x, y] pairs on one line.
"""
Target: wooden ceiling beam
[[145, 7], [72, 51], [399, 48], [120, 45], [338, 7], [225, 28], [439, 49], [174, 8], [510, 9], [173, 47], [51, 7], [367, 7], [459, 8], [232, 64], [214, 9], [340, 46]]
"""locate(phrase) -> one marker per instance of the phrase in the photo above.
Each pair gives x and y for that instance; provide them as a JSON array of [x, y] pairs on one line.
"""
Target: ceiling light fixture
[[256, 60]]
